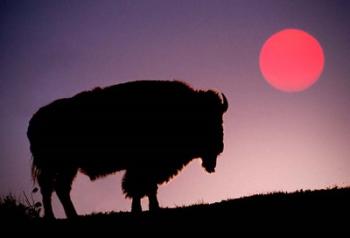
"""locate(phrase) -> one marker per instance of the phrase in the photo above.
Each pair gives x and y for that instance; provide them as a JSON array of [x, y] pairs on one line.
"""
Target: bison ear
[[224, 102]]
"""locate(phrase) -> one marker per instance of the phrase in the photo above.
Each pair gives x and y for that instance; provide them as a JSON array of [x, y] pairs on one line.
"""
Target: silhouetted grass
[[318, 210], [13, 208]]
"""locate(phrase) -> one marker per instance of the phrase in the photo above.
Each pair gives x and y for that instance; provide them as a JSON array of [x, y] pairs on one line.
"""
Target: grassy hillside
[[318, 210]]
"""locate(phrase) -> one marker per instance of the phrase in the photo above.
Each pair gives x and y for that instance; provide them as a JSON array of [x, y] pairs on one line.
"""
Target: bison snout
[[210, 170], [209, 164]]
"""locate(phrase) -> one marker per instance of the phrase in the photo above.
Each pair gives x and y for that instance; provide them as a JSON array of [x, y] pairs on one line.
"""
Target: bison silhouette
[[151, 129]]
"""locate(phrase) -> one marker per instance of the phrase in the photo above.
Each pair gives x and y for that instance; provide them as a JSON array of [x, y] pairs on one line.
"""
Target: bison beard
[[151, 129]]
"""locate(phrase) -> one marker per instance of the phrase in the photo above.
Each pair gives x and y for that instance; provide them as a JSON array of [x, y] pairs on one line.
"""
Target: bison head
[[214, 105]]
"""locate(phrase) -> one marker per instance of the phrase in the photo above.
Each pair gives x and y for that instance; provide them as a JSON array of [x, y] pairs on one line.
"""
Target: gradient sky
[[273, 140]]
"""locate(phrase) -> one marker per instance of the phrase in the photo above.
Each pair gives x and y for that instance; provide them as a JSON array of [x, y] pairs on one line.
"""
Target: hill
[[317, 210]]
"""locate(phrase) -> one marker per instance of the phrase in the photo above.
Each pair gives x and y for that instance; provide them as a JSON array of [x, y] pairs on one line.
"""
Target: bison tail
[[36, 171]]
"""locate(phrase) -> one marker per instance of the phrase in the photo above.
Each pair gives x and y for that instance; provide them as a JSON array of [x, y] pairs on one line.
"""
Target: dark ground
[[316, 211]]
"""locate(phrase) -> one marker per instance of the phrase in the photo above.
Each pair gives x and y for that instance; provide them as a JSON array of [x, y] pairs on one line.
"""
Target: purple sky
[[273, 140]]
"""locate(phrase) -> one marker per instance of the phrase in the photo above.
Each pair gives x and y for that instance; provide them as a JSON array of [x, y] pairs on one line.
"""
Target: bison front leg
[[136, 205], [137, 184], [152, 198], [131, 188]]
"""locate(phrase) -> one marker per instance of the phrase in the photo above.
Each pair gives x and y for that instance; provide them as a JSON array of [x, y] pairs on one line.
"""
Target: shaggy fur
[[151, 129]]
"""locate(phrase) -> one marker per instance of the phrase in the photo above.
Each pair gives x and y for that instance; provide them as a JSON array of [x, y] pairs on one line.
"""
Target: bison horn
[[224, 102]]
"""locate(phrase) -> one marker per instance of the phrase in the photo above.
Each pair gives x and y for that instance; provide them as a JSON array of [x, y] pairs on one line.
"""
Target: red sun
[[291, 60]]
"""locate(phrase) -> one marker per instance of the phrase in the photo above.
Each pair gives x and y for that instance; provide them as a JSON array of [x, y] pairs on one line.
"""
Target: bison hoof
[[153, 207], [49, 217], [136, 206]]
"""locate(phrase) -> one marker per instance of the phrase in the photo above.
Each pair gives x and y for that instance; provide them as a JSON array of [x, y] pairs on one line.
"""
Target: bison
[[151, 129]]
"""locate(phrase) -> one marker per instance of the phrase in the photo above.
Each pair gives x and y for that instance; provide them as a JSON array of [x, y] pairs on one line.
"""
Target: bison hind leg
[[45, 181], [63, 186]]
